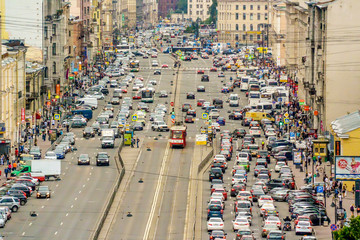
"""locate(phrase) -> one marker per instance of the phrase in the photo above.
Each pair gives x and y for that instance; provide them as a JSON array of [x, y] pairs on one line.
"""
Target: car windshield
[[83, 156], [102, 155], [43, 188]]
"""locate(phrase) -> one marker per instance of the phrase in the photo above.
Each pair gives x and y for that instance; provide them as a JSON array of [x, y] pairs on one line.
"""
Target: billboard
[[347, 167]]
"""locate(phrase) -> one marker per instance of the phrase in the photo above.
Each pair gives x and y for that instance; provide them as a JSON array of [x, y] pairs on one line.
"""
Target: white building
[[198, 9]]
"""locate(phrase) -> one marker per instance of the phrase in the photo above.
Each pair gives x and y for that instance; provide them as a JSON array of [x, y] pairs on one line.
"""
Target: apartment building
[[277, 31], [243, 22], [165, 7], [198, 9]]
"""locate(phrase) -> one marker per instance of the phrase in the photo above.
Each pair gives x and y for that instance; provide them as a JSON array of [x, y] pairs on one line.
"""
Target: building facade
[[198, 9], [244, 22], [165, 7], [277, 32]]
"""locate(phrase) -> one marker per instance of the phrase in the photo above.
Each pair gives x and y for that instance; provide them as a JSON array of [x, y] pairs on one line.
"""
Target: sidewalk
[[324, 232]]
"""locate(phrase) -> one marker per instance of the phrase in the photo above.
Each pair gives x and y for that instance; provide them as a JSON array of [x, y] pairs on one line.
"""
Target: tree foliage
[[181, 6], [349, 233], [213, 13]]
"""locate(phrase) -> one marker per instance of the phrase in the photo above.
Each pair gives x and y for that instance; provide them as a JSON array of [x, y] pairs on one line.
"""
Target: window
[[244, 16], [69, 33], [259, 27], [197, 12], [197, 5], [251, 7], [244, 7], [258, 16], [251, 27], [244, 27], [54, 29], [266, 16], [46, 72], [69, 49], [236, 16], [54, 49], [54, 67], [251, 16], [88, 10], [190, 6], [84, 10], [201, 5], [266, 7], [236, 27], [237, 7], [244, 37], [251, 37], [237, 37], [46, 32], [258, 7]]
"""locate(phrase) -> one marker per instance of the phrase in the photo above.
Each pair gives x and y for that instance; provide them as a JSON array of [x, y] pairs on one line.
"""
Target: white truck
[[107, 138], [46, 167]]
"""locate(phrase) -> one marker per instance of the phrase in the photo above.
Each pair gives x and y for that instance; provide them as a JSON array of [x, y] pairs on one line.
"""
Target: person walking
[[14, 166], [132, 142], [357, 211], [6, 172], [137, 142], [352, 210], [344, 190]]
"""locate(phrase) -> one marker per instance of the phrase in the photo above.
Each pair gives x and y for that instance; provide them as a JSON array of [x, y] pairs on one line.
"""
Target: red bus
[[177, 136]]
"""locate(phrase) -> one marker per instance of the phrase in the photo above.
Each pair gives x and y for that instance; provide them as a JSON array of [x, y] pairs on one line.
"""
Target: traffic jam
[[253, 193]]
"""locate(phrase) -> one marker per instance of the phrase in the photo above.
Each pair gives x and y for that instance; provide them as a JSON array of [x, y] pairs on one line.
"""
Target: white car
[[154, 64], [242, 156], [217, 202], [215, 224], [50, 155], [303, 227], [217, 195], [214, 114], [270, 132], [238, 178], [279, 165], [98, 96], [255, 131], [135, 88], [244, 195], [265, 207], [240, 222], [219, 157], [34, 180], [216, 126], [153, 82], [273, 220], [244, 87], [2, 220], [265, 199]]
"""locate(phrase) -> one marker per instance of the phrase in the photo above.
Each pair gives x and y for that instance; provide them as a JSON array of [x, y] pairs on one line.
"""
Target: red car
[[164, 66], [200, 102], [214, 69], [221, 190], [200, 72], [136, 97]]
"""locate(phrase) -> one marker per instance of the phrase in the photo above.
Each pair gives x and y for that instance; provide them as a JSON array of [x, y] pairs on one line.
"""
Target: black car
[[239, 133], [218, 103], [22, 187], [277, 182], [205, 78], [102, 158], [264, 154], [236, 188], [189, 119], [104, 91], [246, 121], [256, 194], [235, 115], [157, 72], [20, 196], [191, 112], [217, 234], [215, 173], [190, 95], [27, 183], [219, 165]]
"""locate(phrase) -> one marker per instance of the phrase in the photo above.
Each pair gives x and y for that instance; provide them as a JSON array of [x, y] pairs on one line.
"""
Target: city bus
[[177, 136], [147, 95]]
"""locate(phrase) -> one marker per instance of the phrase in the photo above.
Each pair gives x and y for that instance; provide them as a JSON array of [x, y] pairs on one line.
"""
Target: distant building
[[198, 9], [166, 6], [243, 21]]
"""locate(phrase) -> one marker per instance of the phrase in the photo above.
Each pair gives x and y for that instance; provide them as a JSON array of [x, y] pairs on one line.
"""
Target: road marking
[[80, 191], [72, 206], [61, 223], [67, 215], [56, 233], [83, 185], [90, 173], [42, 206], [92, 167], [67, 168], [156, 195], [30, 224], [57, 185], [75, 198], [47, 199], [23, 233], [63, 173]]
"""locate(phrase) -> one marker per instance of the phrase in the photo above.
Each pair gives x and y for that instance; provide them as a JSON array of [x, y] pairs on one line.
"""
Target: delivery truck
[[49, 168], [107, 138]]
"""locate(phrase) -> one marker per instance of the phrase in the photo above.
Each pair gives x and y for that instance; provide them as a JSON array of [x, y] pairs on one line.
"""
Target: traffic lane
[[138, 197], [174, 202]]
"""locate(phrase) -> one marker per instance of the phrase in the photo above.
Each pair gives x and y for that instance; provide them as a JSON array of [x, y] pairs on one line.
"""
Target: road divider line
[[156, 194]]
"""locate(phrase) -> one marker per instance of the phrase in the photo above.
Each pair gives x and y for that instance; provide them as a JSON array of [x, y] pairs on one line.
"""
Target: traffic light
[[281, 123]]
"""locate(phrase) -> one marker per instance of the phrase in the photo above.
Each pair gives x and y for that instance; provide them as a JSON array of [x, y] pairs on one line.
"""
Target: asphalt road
[[77, 200]]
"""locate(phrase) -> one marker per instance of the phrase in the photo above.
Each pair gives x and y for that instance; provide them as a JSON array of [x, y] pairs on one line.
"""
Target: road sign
[[319, 189], [172, 116], [286, 120], [292, 134], [279, 99], [205, 116], [173, 120], [286, 115], [134, 118], [172, 104], [57, 116], [333, 227]]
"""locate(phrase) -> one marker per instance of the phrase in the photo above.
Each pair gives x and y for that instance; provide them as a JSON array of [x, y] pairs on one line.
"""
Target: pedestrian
[[352, 209], [353, 189], [6, 172], [14, 166], [16, 153], [132, 142], [345, 215], [2, 159], [137, 142], [344, 190], [44, 136]]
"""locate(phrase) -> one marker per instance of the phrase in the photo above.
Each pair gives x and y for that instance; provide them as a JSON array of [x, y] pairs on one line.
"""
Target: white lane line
[[88, 179], [23, 233], [83, 185], [67, 215], [30, 224], [42, 206], [75, 198], [57, 185], [56, 233], [92, 167], [72, 206], [156, 195], [80, 191], [61, 223], [90, 173]]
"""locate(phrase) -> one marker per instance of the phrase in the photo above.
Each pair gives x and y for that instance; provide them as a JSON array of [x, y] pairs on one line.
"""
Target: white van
[[254, 98], [265, 107], [234, 100], [92, 102]]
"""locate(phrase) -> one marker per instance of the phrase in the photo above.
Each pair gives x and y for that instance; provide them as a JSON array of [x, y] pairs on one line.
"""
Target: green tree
[[349, 233], [181, 6], [213, 13]]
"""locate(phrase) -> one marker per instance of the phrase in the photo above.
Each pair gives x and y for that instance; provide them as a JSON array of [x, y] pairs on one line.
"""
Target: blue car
[[214, 211], [221, 121], [60, 153]]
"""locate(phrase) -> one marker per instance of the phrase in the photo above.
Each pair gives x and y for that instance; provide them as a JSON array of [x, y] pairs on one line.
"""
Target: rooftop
[[347, 123]]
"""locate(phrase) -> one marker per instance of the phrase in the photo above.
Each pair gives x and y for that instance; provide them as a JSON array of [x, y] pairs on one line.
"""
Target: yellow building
[[346, 132]]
